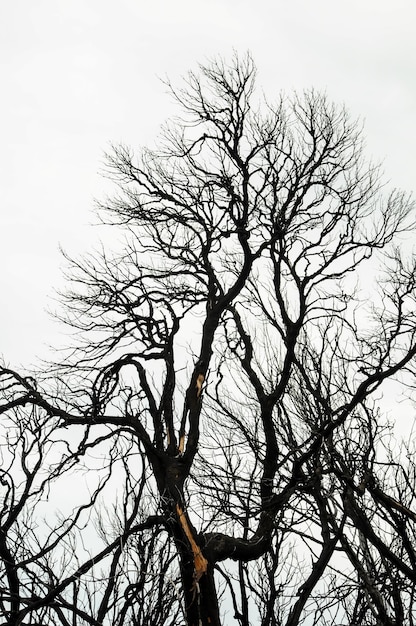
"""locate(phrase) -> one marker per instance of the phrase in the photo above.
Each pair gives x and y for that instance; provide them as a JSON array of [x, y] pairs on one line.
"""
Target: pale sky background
[[78, 74]]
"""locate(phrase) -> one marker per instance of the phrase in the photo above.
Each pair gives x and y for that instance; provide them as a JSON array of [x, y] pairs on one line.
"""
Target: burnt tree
[[227, 368]]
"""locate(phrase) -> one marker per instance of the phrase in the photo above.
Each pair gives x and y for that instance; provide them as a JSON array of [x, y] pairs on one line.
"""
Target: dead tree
[[229, 361]]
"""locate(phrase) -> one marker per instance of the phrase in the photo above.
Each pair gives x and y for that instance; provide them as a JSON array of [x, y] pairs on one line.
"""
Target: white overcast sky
[[78, 74]]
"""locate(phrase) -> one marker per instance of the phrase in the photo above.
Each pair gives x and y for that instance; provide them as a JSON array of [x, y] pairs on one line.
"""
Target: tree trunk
[[198, 584], [200, 596]]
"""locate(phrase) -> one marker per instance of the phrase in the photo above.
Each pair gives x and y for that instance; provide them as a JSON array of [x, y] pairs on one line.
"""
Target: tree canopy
[[214, 446]]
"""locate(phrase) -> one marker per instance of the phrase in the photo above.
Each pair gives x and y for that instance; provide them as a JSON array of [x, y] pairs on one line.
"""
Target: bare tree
[[225, 385]]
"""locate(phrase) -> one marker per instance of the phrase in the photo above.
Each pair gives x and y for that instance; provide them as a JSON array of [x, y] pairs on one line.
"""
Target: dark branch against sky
[[78, 75]]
